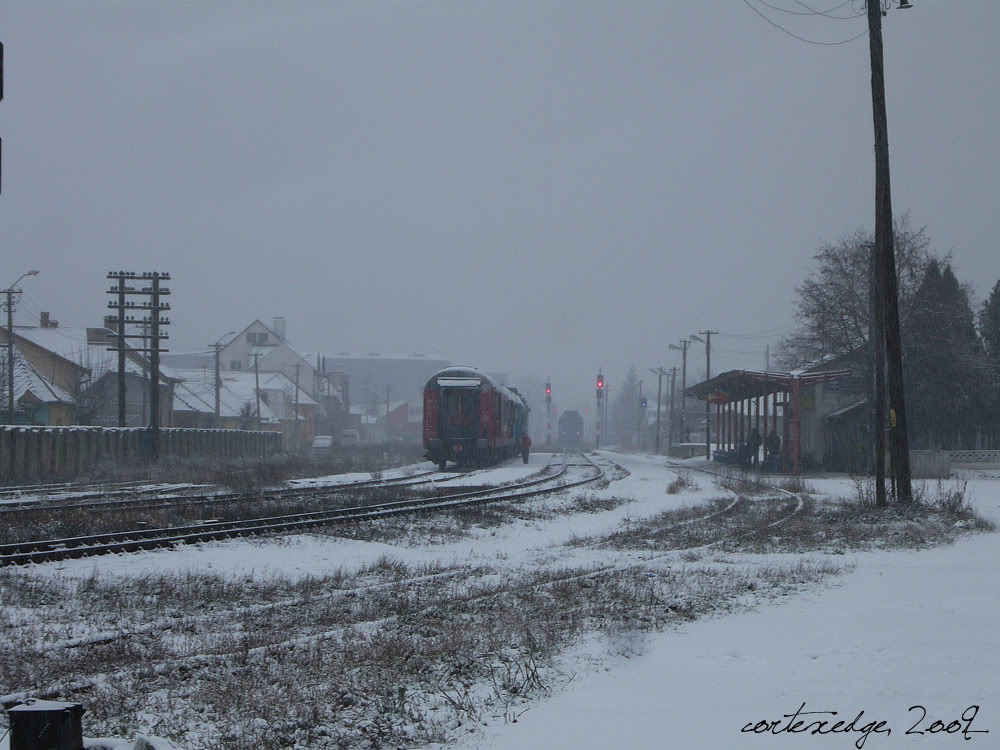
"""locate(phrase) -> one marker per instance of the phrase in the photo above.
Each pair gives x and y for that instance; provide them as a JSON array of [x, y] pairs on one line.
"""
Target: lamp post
[[218, 378], [9, 291]]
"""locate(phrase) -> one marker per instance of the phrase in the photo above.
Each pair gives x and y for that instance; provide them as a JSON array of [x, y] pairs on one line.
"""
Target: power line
[[813, 12], [801, 38]]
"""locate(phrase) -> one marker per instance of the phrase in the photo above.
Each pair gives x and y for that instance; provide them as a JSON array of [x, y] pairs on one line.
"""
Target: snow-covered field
[[895, 629], [905, 629]]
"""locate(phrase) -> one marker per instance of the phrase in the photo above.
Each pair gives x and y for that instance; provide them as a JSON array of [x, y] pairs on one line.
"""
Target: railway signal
[[600, 396]]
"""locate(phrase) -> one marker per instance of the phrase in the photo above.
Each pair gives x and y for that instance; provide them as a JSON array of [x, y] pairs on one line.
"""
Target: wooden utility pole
[[298, 442], [899, 441], [150, 328], [218, 384], [683, 349], [670, 432], [387, 391], [122, 402], [708, 404], [876, 342], [256, 384]]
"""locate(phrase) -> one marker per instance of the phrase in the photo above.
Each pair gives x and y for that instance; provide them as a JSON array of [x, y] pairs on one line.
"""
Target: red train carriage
[[469, 419]]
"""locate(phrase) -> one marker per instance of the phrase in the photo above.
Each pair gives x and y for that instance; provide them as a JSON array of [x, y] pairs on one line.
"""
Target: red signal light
[[600, 381], [548, 391]]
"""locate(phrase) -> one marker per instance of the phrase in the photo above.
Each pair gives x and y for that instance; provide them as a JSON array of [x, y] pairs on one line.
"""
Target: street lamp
[[9, 291]]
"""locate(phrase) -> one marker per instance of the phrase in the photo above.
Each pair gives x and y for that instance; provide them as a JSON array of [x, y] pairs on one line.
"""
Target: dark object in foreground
[[52, 725]]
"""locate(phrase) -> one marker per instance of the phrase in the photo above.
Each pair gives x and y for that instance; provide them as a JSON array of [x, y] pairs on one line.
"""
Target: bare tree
[[833, 300]]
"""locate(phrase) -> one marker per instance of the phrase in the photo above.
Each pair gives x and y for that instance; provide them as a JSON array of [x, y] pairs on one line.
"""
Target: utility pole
[[659, 372], [151, 327], [387, 390], [673, 382], [876, 342], [218, 376], [10, 292], [548, 409], [122, 401], [298, 444], [638, 421], [899, 441], [708, 404], [256, 384], [683, 349]]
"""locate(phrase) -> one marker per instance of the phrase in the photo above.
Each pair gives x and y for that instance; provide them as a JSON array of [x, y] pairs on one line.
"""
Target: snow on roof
[[27, 380], [197, 393], [88, 348]]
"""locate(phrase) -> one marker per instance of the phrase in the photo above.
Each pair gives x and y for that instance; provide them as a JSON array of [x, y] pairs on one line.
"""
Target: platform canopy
[[741, 385]]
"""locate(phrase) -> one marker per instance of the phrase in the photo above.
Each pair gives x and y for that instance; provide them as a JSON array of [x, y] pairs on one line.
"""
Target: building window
[[235, 364], [257, 339]]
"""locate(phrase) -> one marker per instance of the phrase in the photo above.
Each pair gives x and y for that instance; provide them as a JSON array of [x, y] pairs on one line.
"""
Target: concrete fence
[[41, 453]]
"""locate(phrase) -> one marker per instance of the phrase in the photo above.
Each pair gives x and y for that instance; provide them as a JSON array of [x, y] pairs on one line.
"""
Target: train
[[571, 430], [470, 419]]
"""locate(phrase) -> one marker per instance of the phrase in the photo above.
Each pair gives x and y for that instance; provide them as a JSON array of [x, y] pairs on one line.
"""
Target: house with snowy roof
[[281, 407], [76, 360], [37, 400]]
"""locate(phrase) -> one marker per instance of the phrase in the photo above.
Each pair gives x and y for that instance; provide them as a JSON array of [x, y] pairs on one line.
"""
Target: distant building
[[361, 379]]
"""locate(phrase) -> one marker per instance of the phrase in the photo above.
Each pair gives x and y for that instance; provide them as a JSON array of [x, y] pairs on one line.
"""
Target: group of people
[[772, 446]]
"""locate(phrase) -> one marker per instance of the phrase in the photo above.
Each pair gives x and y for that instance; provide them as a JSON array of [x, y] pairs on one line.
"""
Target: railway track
[[162, 501], [50, 550]]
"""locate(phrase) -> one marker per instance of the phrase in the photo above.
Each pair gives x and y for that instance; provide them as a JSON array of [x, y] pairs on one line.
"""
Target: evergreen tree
[[989, 327], [989, 324], [944, 362]]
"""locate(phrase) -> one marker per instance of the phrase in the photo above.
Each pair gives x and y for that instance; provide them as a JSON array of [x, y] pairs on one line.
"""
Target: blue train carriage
[[469, 419], [522, 441]]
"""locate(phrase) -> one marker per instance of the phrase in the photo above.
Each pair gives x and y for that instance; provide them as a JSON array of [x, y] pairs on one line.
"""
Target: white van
[[322, 446], [350, 437]]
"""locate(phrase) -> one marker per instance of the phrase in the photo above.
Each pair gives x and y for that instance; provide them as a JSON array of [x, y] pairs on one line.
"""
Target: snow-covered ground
[[903, 629], [513, 545]]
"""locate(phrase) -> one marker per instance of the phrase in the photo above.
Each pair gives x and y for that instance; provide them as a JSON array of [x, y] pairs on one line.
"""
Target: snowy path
[[903, 629]]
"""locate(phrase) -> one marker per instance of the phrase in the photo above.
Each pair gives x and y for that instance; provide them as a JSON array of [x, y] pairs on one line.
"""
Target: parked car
[[350, 437], [322, 446]]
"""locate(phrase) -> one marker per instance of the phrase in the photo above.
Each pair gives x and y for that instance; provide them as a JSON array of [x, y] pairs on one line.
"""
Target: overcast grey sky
[[539, 187]]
